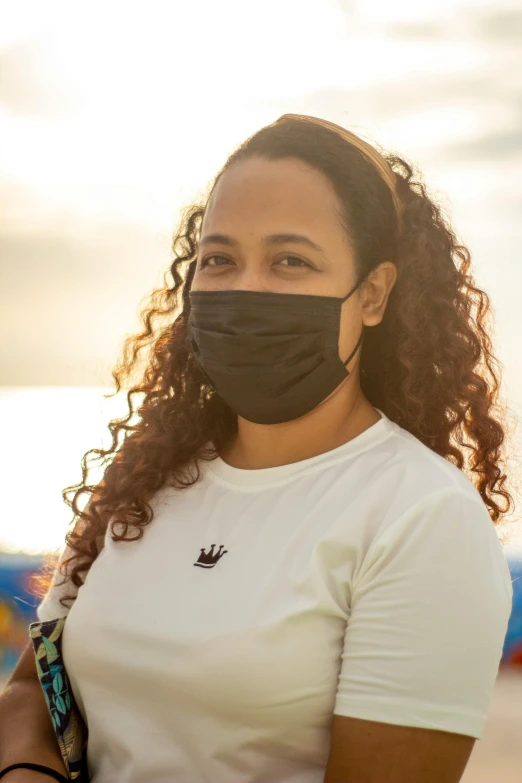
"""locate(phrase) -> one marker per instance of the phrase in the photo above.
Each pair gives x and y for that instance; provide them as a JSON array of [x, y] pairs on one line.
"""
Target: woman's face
[[258, 199], [255, 209]]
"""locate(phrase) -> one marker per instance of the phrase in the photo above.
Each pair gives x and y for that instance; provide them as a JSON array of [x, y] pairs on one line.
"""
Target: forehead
[[279, 192]]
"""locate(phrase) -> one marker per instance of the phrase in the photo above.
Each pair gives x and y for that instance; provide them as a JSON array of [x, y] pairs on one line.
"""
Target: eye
[[295, 258], [206, 261]]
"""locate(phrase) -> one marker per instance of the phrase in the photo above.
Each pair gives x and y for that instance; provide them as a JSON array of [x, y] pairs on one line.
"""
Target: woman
[[316, 589]]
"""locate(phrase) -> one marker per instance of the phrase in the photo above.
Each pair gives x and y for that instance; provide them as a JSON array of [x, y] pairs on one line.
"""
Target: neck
[[345, 414]]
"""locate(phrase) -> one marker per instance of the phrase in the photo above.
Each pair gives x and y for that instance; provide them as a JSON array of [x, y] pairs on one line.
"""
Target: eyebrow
[[271, 239]]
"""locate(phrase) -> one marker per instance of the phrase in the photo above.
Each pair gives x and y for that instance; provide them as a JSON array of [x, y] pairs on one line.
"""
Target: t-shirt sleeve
[[430, 607], [50, 607]]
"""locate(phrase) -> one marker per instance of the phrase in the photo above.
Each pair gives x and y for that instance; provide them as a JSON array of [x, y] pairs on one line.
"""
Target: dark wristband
[[38, 768]]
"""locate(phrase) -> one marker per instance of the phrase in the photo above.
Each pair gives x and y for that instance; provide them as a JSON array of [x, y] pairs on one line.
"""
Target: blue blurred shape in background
[[17, 606], [512, 653]]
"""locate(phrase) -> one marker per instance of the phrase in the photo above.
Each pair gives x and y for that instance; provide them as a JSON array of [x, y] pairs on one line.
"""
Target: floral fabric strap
[[69, 726]]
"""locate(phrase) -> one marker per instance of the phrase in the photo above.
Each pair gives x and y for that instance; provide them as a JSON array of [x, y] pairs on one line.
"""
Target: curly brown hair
[[428, 365]]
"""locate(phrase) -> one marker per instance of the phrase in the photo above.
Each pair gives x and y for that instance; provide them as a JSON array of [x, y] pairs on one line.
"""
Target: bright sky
[[45, 434], [119, 107], [114, 114]]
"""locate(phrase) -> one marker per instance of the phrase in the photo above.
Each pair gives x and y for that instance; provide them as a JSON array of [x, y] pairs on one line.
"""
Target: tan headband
[[368, 151]]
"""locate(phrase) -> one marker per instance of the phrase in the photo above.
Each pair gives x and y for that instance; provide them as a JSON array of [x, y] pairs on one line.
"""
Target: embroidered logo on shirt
[[209, 560]]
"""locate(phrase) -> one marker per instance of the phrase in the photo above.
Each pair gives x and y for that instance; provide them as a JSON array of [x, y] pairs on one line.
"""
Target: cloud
[[491, 146], [69, 293], [492, 115], [27, 86], [500, 25]]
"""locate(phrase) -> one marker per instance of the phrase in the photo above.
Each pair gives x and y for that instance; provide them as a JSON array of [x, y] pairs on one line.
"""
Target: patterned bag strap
[[69, 726]]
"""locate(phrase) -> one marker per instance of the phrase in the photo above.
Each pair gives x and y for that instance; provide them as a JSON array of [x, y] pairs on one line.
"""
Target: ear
[[375, 292]]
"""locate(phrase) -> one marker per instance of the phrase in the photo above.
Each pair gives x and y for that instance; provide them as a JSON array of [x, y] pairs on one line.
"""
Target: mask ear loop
[[361, 338], [359, 341], [356, 286]]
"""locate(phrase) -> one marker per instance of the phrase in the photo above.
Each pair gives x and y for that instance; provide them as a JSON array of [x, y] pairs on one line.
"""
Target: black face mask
[[271, 357]]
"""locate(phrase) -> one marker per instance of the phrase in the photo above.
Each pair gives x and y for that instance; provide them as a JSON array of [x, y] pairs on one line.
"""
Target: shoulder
[[431, 522], [422, 504], [410, 473]]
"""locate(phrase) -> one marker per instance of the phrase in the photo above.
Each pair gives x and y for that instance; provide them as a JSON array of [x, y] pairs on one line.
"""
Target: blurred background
[[114, 115]]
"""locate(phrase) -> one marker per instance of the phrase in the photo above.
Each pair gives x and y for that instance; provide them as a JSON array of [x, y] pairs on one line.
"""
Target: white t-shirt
[[368, 581]]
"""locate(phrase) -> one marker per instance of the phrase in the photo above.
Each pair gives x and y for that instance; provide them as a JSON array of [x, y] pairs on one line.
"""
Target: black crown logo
[[209, 560]]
